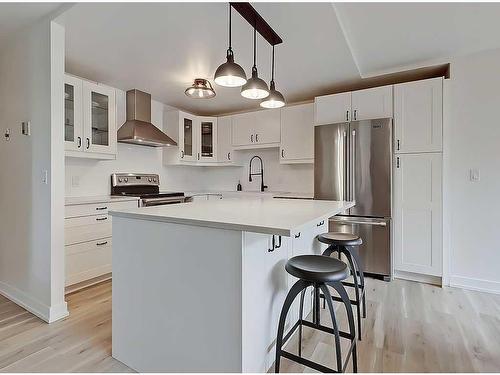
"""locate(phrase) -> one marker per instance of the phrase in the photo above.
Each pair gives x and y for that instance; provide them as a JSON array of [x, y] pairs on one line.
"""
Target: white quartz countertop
[[271, 216], [70, 201]]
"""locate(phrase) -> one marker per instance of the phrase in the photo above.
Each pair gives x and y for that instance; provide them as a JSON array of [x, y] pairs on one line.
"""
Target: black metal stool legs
[[355, 253], [338, 353], [294, 291]]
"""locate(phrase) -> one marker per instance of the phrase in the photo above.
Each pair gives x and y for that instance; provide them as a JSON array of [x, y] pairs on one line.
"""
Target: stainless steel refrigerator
[[352, 162]]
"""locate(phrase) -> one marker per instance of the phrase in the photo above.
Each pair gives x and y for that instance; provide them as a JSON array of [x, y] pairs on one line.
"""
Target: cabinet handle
[[88, 143], [282, 152], [198, 156], [101, 218], [320, 223], [102, 243], [251, 138], [355, 114], [347, 115], [256, 138], [182, 154], [398, 145], [279, 243], [273, 247], [79, 142], [101, 208], [297, 235], [228, 156], [397, 162]]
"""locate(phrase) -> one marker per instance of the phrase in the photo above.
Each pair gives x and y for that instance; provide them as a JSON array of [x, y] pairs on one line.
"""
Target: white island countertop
[[271, 216]]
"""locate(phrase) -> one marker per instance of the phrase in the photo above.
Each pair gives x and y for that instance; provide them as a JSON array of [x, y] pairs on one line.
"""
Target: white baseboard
[[47, 313], [475, 284], [428, 279]]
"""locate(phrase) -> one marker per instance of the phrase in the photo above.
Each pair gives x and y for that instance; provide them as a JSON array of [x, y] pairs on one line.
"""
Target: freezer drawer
[[376, 235]]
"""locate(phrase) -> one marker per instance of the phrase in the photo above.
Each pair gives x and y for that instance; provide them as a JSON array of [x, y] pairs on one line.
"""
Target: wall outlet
[[75, 181], [45, 177], [474, 175], [7, 134]]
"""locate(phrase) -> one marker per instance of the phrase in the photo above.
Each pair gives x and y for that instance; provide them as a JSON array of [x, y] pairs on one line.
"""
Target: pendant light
[[255, 88], [275, 98], [230, 74], [200, 89]]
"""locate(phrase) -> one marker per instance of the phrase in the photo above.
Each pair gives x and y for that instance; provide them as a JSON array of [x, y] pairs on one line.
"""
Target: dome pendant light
[[275, 98], [255, 88], [200, 89], [230, 74]]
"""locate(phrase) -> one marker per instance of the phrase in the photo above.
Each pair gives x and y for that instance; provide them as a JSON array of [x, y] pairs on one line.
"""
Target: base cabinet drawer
[[86, 228], [97, 208], [88, 260]]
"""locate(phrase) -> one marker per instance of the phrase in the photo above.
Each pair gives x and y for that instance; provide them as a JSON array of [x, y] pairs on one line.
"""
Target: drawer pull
[[279, 243], [102, 243], [101, 218], [297, 235], [320, 223], [101, 208]]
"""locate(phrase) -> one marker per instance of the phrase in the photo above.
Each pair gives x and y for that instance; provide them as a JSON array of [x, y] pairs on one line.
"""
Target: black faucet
[[261, 173]]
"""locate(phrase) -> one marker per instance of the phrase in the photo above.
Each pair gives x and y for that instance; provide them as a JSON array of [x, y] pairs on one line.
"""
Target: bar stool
[[319, 272], [348, 244]]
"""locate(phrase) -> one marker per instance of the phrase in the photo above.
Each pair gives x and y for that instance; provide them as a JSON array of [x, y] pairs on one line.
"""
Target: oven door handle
[[158, 202]]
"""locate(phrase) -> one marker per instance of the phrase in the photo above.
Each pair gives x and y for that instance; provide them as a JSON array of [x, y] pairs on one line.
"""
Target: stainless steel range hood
[[138, 128]]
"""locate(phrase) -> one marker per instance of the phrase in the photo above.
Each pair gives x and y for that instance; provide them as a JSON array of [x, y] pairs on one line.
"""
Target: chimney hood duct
[[138, 128]]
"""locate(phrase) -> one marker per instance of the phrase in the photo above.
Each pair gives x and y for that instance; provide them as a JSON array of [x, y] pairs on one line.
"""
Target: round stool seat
[[340, 238], [317, 268]]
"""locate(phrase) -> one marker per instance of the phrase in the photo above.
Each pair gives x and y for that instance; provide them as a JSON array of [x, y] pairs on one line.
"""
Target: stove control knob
[[149, 179], [154, 179], [126, 179], [120, 179]]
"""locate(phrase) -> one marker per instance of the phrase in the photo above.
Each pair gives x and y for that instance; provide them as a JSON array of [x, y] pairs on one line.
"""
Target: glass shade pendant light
[[200, 89], [255, 88], [230, 74], [275, 98]]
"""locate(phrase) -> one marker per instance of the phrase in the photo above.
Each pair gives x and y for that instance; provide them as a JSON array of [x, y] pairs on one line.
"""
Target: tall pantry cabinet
[[417, 177]]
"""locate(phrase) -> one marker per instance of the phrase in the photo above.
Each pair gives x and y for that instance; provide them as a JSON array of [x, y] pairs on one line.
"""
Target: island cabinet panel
[[265, 285]]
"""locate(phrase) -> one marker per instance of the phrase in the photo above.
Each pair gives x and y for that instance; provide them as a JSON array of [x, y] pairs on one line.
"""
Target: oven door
[[148, 202]]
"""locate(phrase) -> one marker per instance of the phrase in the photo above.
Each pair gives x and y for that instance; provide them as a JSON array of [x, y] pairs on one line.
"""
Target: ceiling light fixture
[[275, 98], [200, 89], [255, 88], [230, 74]]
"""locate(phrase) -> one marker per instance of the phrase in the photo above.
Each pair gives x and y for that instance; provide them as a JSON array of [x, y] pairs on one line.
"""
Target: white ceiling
[[384, 36], [15, 16], [161, 47]]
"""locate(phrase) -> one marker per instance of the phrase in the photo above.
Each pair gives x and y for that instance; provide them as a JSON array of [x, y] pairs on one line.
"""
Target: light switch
[[474, 175]]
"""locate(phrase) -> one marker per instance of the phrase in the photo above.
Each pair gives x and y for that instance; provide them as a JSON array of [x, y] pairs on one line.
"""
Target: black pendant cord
[[272, 67], [254, 47], [230, 49]]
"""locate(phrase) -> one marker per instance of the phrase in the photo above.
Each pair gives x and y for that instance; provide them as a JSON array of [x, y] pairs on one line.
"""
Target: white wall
[[27, 230], [472, 140], [92, 177]]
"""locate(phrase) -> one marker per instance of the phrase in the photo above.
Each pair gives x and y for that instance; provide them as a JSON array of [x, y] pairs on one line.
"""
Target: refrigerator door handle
[[353, 166], [345, 194]]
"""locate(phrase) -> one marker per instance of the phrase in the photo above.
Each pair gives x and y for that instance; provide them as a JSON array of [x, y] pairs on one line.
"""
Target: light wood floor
[[410, 327]]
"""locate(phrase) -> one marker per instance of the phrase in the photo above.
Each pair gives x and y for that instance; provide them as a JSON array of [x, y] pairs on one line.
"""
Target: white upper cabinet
[[73, 115], [224, 148], [297, 134], [371, 103], [259, 129], [418, 213], [418, 116], [187, 136], [99, 118], [89, 119], [332, 109], [207, 139]]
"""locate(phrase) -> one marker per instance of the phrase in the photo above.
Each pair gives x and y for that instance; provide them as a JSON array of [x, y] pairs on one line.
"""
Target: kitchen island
[[198, 287]]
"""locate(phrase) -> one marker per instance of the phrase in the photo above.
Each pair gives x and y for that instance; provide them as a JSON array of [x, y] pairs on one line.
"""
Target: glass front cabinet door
[[207, 134], [73, 125], [187, 136], [99, 122]]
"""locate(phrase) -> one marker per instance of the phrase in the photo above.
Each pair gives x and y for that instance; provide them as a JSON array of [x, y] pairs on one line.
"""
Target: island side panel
[[177, 292]]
